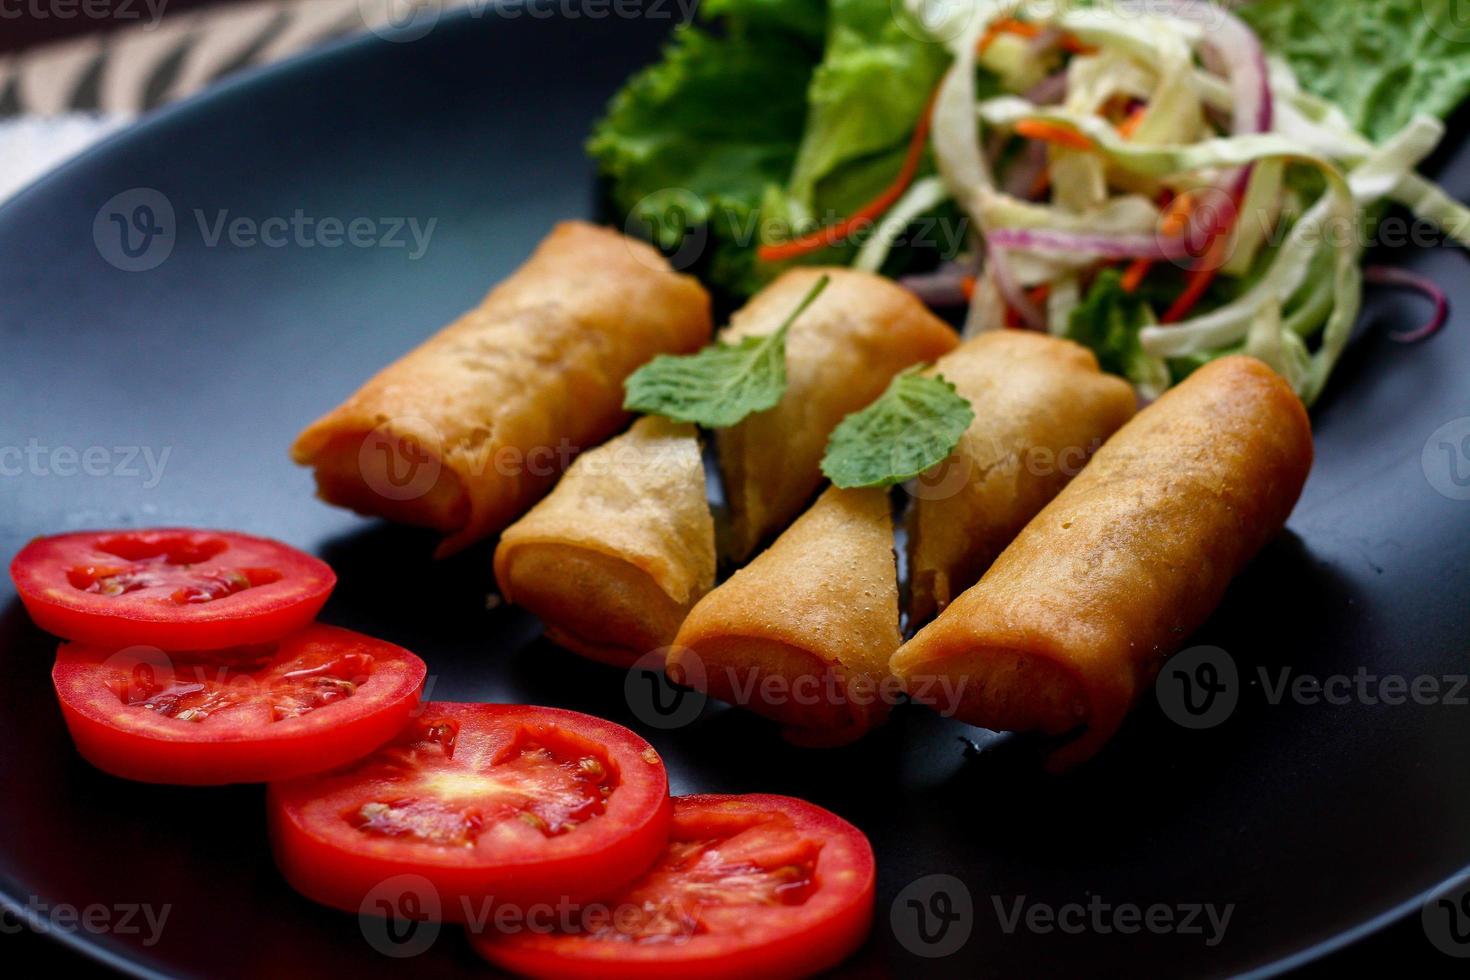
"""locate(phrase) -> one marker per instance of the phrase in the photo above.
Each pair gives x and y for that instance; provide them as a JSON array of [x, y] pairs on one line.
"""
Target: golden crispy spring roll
[[1070, 625], [804, 632], [840, 355], [613, 559], [473, 426], [1042, 408]]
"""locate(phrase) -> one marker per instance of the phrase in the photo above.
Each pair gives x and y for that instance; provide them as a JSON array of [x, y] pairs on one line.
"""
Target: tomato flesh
[[314, 700], [492, 804], [173, 588], [757, 885]]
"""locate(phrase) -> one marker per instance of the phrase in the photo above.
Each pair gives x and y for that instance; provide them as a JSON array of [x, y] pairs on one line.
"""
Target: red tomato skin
[[314, 748], [816, 948], [317, 868], [211, 626]]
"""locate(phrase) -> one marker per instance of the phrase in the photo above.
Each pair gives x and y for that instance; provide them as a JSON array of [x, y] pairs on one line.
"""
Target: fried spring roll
[[1042, 408], [470, 428], [616, 555], [840, 355], [804, 632], [1070, 625]]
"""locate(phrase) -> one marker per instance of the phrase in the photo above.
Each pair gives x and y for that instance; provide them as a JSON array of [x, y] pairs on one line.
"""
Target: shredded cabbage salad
[[1144, 176], [1168, 135]]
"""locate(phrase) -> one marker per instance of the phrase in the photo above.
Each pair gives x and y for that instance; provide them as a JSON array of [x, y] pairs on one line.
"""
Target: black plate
[[1311, 820]]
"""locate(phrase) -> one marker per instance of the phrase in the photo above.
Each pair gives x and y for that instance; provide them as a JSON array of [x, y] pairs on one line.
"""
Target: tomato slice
[[317, 699], [172, 588], [492, 804], [747, 886]]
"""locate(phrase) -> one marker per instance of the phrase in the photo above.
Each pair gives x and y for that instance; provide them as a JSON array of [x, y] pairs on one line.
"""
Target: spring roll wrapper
[[1070, 625], [1042, 407], [497, 402], [821, 603], [840, 355], [613, 559]]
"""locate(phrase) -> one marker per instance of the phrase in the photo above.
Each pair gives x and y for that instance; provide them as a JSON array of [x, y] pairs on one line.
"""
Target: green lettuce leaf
[[806, 19], [722, 384], [692, 144], [1381, 61], [1108, 321], [912, 426], [798, 112]]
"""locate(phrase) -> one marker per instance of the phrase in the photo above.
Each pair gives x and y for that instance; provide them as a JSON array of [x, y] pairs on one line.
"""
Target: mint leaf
[[912, 426], [721, 384]]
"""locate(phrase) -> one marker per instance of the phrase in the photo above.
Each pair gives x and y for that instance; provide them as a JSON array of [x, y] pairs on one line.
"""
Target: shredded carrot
[[874, 209], [1007, 25], [1021, 28], [967, 285], [1199, 280], [1133, 275], [1047, 132], [1176, 217], [1129, 126]]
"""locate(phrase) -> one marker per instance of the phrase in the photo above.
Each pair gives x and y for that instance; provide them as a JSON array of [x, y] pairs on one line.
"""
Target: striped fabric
[[145, 65], [58, 99]]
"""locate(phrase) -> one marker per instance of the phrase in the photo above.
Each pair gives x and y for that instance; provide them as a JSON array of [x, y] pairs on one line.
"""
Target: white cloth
[[32, 145]]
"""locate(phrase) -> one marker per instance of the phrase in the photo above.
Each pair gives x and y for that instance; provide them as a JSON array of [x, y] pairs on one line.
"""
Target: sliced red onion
[[942, 288], [1010, 288], [1120, 246], [1049, 91], [1387, 275], [1233, 50], [1024, 170]]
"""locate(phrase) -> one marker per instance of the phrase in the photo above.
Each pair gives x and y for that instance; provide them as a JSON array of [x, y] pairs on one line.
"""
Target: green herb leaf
[[912, 426], [721, 384], [1108, 320]]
